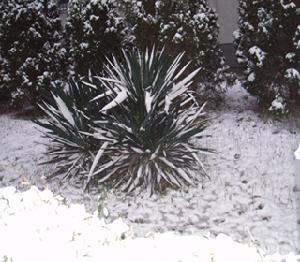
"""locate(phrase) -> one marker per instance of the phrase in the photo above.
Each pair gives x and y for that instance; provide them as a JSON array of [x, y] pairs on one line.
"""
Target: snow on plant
[[267, 46], [70, 116], [182, 26], [31, 54], [148, 124], [94, 29], [131, 127], [278, 106]]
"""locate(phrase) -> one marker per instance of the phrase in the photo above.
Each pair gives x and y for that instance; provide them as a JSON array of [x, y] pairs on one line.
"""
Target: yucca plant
[[147, 128], [133, 126], [71, 114]]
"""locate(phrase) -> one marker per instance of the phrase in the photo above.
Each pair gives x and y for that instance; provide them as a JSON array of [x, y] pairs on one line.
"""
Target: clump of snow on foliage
[[259, 55], [293, 73], [278, 106]]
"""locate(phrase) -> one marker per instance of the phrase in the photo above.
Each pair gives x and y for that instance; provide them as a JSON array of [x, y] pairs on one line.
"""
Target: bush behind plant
[[94, 29], [268, 48], [182, 26], [31, 55]]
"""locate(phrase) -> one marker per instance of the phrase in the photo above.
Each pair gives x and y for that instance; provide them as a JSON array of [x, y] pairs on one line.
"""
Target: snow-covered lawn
[[37, 227], [252, 187]]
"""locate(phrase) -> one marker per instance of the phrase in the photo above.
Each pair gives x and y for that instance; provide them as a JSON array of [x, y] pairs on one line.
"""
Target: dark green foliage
[[143, 20], [94, 30], [71, 115], [139, 130], [182, 26], [31, 55], [268, 50], [149, 124]]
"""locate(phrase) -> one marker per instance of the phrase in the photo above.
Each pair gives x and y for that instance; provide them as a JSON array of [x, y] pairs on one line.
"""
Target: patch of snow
[[290, 56], [292, 73], [297, 153], [36, 226], [64, 110], [121, 97], [278, 105], [178, 37], [251, 77], [168, 103], [259, 54], [288, 5], [236, 34], [148, 101]]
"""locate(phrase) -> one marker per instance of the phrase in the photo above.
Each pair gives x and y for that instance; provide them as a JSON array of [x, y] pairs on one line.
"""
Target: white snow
[[297, 153], [148, 101], [252, 185], [290, 56], [64, 110], [120, 98], [36, 226], [97, 158], [251, 77], [289, 5], [168, 103], [178, 37], [292, 73], [278, 105], [259, 53]]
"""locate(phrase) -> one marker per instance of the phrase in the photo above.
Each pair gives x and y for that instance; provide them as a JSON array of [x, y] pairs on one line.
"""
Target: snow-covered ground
[[35, 226], [252, 187]]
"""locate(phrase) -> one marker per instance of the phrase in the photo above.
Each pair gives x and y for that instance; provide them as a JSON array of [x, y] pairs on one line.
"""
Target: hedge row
[[37, 53]]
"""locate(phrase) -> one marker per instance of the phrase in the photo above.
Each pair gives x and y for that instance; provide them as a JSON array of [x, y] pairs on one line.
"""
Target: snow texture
[[267, 48], [33, 56], [278, 106], [297, 153], [43, 228], [258, 53], [64, 110], [253, 180]]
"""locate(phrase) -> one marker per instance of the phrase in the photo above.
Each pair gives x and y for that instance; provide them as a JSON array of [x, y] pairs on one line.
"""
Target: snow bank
[[36, 226]]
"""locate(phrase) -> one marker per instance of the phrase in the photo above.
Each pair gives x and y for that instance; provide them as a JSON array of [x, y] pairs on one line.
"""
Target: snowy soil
[[252, 186], [37, 227]]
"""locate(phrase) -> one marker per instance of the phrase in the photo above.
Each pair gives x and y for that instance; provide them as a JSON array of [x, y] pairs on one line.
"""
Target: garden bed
[[252, 186]]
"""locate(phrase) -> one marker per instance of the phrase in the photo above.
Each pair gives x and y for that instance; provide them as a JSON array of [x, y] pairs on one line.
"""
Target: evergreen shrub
[[94, 29], [268, 49], [31, 53], [182, 26]]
